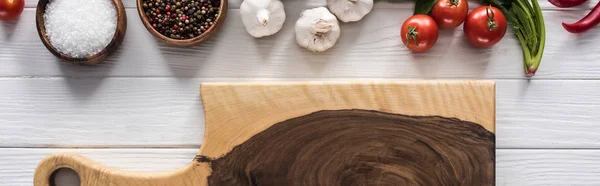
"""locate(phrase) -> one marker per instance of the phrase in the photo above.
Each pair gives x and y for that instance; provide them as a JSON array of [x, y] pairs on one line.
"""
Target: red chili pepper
[[566, 3], [588, 22]]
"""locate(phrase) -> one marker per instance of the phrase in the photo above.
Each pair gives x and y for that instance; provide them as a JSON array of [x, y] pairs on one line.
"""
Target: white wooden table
[[141, 109]]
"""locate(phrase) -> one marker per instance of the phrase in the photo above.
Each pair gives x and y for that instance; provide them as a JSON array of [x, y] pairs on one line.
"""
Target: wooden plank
[[513, 167], [58, 112], [368, 49], [547, 114], [167, 112], [304, 4], [547, 167]]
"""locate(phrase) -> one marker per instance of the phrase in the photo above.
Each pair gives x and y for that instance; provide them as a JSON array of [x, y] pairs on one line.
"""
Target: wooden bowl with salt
[[222, 13], [96, 58]]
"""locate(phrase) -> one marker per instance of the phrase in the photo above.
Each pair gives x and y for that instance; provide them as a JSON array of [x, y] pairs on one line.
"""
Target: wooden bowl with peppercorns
[[182, 23], [113, 41]]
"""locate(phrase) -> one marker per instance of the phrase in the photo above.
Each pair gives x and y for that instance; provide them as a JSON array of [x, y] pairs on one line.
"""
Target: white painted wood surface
[[141, 109], [167, 112]]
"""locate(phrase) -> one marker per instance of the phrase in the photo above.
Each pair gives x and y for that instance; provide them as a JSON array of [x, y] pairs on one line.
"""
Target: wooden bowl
[[93, 59], [186, 42]]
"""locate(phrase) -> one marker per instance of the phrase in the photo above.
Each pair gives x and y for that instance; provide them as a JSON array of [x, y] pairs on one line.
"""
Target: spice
[[179, 19], [80, 28], [588, 22]]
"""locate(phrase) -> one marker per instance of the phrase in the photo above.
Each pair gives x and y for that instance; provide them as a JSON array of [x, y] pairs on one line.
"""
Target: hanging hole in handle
[[64, 177]]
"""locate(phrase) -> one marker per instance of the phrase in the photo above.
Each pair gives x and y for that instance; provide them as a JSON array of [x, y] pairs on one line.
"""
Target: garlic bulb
[[317, 29], [350, 10], [262, 17]]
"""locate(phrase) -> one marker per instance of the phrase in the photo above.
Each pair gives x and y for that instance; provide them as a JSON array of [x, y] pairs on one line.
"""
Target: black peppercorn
[[181, 19]]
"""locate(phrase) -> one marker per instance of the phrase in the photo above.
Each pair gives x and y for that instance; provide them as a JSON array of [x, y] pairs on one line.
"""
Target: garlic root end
[[263, 17], [321, 27]]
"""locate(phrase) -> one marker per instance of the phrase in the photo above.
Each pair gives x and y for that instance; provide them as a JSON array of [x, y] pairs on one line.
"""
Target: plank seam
[[218, 79], [198, 147]]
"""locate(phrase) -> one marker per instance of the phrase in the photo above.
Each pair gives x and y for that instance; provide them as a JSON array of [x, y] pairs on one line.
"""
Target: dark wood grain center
[[360, 148]]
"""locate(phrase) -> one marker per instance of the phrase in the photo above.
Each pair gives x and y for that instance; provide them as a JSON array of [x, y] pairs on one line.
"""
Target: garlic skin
[[350, 10], [262, 17], [317, 29]]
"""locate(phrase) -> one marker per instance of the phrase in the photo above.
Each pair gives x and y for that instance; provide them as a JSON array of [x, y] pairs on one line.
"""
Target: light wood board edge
[[234, 112]]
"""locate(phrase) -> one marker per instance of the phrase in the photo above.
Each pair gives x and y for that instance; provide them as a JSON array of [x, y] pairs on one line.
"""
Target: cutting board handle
[[92, 173], [83, 166]]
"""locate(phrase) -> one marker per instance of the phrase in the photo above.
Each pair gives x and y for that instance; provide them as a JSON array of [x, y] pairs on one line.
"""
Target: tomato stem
[[491, 23], [412, 34], [454, 2]]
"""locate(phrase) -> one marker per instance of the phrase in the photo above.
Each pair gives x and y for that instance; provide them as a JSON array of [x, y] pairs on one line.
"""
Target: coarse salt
[[80, 28]]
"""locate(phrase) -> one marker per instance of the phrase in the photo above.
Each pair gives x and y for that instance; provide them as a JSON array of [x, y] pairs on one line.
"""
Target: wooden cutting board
[[327, 133]]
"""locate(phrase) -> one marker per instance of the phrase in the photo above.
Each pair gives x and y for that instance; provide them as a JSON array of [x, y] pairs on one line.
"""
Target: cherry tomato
[[485, 26], [419, 33], [449, 14], [10, 9]]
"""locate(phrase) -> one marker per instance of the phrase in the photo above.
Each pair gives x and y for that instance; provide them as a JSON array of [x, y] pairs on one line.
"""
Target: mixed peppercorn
[[181, 19]]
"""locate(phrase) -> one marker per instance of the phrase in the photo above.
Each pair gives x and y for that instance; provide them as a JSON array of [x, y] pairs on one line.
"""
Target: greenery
[[421, 6], [424, 6], [528, 25]]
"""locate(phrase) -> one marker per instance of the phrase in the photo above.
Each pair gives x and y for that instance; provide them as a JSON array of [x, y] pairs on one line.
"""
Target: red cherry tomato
[[419, 33], [10, 9], [485, 26], [449, 14]]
